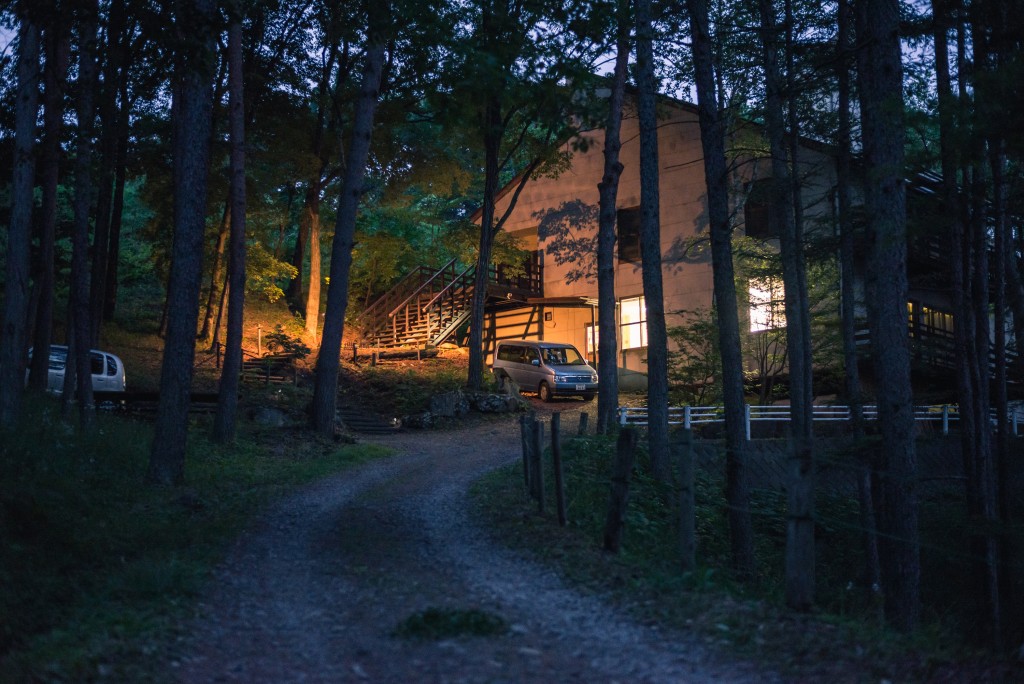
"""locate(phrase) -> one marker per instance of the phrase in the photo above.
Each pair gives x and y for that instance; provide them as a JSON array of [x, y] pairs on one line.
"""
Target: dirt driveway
[[315, 591]]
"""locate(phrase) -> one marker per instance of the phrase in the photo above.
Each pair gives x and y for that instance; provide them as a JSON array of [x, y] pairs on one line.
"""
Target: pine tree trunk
[[313, 297], [80, 311], [325, 390], [58, 48], [880, 77], [492, 139], [192, 113], [712, 133], [608, 188], [847, 255], [227, 398], [117, 208], [213, 296], [650, 248], [799, 581], [108, 138], [16, 283]]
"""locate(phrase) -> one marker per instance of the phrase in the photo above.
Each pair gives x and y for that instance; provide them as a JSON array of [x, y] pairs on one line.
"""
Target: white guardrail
[[688, 416]]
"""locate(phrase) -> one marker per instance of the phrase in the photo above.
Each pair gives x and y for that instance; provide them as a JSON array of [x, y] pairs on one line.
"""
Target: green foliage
[[281, 342], [96, 566], [694, 366], [264, 272], [397, 391]]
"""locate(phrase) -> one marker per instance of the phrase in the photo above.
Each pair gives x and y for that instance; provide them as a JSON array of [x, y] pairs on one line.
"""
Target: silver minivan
[[550, 369], [107, 370]]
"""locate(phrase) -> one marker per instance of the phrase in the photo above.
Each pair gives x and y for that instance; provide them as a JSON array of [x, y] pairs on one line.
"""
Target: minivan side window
[[96, 364], [510, 352], [531, 355]]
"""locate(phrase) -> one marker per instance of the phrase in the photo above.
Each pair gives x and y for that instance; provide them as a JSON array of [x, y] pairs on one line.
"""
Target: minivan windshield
[[563, 356]]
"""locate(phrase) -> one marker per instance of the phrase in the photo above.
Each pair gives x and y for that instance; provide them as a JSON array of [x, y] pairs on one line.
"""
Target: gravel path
[[315, 590]]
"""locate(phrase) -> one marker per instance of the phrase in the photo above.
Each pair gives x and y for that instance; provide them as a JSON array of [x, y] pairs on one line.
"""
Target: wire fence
[[942, 415]]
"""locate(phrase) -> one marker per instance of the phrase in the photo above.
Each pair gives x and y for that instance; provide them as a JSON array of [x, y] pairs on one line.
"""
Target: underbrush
[[399, 388], [96, 565], [845, 634]]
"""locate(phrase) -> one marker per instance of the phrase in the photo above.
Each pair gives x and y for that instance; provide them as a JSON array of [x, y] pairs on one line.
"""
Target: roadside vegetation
[[97, 568], [845, 634]]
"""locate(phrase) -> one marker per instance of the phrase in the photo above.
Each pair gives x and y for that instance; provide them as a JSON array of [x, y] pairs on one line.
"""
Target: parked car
[[551, 369], [107, 370]]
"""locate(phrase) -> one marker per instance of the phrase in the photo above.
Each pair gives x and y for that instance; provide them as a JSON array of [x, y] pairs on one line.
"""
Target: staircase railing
[[375, 318], [450, 307], [407, 316], [428, 306]]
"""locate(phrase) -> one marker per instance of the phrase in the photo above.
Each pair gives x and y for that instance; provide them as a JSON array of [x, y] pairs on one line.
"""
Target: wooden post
[[556, 461], [687, 501], [582, 429], [526, 438], [537, 466], [622, 472], [355, 353]]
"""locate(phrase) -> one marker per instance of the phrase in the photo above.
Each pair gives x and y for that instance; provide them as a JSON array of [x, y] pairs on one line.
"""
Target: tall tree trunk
[[325, 389], [80, 312], [847, 257], [492, 139], [608, 188], [313, 296], [58, 49], [16, 283], [650, 247], [712, 134], [227, 398], [192, 115], [117, 209], [800, 478], [880, 76], [107, 110], [216, 272], [295, 292]]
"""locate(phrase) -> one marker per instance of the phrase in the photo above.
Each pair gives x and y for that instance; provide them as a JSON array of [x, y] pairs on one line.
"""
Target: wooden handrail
[[419, 289], [447, 287]]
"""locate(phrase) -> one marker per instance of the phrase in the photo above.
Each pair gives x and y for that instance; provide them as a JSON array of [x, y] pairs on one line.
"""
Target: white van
[[548, 368], [107, 370]]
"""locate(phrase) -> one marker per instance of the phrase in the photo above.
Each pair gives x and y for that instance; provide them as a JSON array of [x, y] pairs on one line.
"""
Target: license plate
[[581, 387]]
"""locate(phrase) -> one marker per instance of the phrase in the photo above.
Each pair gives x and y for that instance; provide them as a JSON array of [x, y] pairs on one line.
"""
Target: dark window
[[757, 221], [628, 234], [510, 352], [96, 363]]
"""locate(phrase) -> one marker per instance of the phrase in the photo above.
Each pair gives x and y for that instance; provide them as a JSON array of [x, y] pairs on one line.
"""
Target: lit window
[[633, 322], [767, 305]]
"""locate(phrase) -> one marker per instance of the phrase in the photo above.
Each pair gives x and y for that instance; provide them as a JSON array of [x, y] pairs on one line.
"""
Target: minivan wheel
[[544, 392], [589, 396]]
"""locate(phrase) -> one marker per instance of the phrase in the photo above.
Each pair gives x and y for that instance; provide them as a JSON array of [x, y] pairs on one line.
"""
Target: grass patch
[[97, 566], [448, 623], [845, 634]]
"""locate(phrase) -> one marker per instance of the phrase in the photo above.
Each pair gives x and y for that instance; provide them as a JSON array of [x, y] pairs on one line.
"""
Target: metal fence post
[[746, 419], [686, 417], [945, 419]]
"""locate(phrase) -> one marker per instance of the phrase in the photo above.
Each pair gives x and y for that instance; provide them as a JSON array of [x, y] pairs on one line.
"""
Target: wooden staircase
[[428, 307]]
